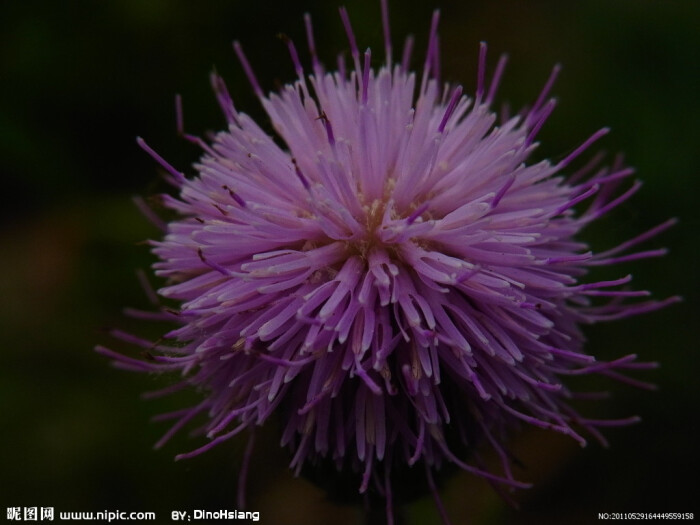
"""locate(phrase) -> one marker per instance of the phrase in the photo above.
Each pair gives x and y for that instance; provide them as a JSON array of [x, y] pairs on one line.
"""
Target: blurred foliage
[[81, 79]]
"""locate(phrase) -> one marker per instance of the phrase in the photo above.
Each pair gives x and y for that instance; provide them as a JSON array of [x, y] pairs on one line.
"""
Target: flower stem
[[376, 515]]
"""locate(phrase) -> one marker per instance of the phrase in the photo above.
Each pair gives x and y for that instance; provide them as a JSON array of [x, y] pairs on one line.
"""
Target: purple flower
[[392, 276]]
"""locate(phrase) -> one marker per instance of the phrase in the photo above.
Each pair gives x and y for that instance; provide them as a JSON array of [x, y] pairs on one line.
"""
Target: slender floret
[[392, 276]]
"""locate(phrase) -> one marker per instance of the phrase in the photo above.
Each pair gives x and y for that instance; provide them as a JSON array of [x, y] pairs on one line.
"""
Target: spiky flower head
[[391, 276]]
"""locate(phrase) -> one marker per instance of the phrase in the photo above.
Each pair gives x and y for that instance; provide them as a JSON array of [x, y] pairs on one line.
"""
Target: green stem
[[376, 515]]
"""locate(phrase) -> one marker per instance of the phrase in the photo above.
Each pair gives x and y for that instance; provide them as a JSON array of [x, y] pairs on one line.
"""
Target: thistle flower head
[[392, 276]]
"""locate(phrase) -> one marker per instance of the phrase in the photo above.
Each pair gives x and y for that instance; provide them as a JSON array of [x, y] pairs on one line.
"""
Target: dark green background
[[80, 80]]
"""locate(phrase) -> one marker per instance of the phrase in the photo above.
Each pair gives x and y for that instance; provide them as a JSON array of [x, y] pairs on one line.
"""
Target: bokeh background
[[79, 80]]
